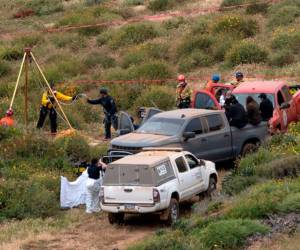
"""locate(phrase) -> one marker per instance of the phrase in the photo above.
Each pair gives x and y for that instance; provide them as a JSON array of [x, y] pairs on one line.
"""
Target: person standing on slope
[[183, 93]]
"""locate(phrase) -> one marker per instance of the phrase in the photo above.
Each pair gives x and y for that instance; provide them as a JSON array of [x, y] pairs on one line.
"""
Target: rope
[[17, 83], [48, 85]]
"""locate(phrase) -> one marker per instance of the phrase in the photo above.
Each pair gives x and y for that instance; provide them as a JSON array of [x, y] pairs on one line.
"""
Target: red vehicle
[[286, 106]]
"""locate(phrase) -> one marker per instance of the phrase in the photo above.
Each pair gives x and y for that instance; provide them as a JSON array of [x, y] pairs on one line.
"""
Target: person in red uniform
[[7, 121]]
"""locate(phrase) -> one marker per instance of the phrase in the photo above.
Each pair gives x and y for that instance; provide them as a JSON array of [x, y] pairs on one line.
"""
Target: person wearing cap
[[265, 107], [235, 112], [7, 121], [110, 111], [183, 93], [239, 78], [48, 106]]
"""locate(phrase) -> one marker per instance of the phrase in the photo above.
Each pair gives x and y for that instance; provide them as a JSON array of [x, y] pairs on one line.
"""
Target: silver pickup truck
[[205, 133]]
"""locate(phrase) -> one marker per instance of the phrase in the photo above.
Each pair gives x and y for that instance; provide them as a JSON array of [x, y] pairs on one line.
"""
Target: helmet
[[103, 91], [181, 78], [215, 78], [239, 74], [9, 112]]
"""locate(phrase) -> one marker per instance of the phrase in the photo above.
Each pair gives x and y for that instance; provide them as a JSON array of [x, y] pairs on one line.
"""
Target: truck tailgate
[[128, 194]]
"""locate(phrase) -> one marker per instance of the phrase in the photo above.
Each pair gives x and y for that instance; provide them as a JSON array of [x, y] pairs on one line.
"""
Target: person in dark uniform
[[235, 113], [265, 107], [253, 112], [110, 111]]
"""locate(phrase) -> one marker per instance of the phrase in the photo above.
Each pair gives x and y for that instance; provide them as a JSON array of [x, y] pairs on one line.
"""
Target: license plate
[[129, 207]]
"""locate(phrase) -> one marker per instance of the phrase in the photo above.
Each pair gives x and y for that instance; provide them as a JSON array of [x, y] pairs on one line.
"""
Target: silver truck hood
[[143, 140]]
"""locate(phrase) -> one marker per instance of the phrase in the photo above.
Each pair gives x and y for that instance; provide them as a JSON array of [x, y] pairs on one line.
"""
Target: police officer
[[235, 112], [48, 106], [110, 111], [265, 107], [183, 93]]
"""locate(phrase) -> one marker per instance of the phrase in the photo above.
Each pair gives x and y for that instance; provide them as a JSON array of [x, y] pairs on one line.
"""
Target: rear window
[[215, 122], [128, 175], [163, 173]]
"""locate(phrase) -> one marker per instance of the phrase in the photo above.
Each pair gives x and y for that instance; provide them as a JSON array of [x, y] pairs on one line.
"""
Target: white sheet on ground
[[73, 193]]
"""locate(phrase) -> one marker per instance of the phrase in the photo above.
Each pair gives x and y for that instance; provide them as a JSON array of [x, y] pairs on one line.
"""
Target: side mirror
[[188, 135], [124, 131], [201, 162], [285, 105]]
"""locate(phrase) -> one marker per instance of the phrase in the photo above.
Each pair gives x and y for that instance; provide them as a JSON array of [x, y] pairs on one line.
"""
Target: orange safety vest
[[7, 121]]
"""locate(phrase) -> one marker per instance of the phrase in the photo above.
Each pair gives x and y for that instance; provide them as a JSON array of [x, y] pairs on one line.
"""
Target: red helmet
[[181, 78], [9, 112]]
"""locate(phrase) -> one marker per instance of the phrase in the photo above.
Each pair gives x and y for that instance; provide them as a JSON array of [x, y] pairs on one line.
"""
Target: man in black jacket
[[235, 113], [110, 111], [265, 107]]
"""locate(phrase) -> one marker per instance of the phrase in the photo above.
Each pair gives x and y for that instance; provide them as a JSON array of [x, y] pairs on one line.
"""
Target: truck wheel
[[248, 148], [173, 212], [212, 188], [116, 218]]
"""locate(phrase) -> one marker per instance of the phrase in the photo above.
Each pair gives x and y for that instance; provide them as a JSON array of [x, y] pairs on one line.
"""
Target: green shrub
[[133, 2], [133, 34], [196, 59], [28, 41], [159, 5], [8, 132], [25, 199], [104, 60], [289, 40], [281, 58], [237, 26], [283, 15], [257, 7], [11, 53], [152, 70], [246, 52], [283, 167], [161, 97], [4, 70], [173, 23], [201, 26], [134, 57], [226, 3], [197, 42], [72, 41], [221, 46], [44, 7], [290, 204], [229, 234], [234, 184], [76, 148]]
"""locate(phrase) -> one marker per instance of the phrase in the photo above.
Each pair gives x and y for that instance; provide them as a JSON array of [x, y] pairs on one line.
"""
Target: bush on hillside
[[290, 204], [161, 97], [4, 70], [133, 2], [196, 59], [72, 41], [221, 46], [133, 34], [28, 41], [197, 42], [281, 58], [201, 26], [152, 70], [45, 7], [287, 40], [257, 7], [246, 52], [134, 57], [229, 234], [237, 26], [11, 53], [173, 23], [159, 5], [283, 13], [94, 59], [227, 3]]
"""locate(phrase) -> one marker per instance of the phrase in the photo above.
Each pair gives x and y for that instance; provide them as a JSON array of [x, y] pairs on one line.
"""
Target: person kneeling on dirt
[[110, 111], [93, 186]]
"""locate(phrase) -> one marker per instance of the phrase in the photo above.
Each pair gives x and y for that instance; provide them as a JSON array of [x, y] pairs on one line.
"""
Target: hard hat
[[9, 112], [215, 77], [239, 74], [181, 78], [103, 91]]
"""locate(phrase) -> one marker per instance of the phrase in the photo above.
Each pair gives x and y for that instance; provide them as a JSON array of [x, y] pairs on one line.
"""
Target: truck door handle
[[226, 135], [128, 190], [203, 140]]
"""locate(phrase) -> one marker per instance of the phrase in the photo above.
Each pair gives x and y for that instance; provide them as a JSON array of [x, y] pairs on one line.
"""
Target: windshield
[[128, 175], [161, 126], [242, 98]]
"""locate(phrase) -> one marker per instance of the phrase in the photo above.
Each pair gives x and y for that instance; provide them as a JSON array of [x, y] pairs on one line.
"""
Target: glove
[[74, 97]]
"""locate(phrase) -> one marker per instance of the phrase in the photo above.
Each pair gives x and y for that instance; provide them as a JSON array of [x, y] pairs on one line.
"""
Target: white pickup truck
[[155, 181]]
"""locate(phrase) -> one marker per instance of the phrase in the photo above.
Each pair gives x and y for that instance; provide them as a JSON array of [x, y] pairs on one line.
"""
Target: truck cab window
[[215, 122], [180, 165], [194, 126], [286, 92], [192, 161], [204, 101], [280, 98]]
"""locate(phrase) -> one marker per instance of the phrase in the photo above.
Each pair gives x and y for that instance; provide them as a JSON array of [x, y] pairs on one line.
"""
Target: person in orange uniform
[[7, 121], [183, 93], [48, 105]]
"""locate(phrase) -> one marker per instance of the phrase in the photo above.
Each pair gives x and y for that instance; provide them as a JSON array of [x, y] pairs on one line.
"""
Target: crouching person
[[93, 186]]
